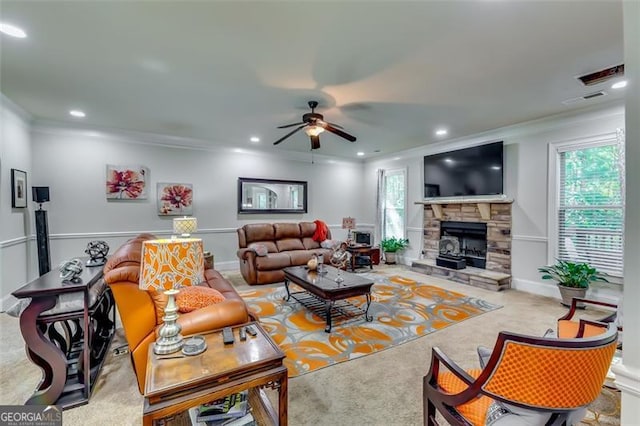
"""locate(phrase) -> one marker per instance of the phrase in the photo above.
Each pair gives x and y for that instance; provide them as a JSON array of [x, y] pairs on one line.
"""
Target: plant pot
[[568, 293], [389, 257]]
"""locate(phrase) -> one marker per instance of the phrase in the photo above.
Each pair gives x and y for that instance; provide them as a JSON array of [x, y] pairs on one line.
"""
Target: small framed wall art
[[175, 199], [127, 182], [18, 189]]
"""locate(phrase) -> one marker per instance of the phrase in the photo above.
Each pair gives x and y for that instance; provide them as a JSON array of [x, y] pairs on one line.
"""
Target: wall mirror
[[271, 196]]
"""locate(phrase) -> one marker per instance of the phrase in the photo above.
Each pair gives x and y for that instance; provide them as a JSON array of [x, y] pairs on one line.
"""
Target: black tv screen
[[470, 171]]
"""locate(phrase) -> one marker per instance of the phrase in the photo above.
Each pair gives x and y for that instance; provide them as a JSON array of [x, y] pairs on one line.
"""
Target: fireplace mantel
[[483, 204]]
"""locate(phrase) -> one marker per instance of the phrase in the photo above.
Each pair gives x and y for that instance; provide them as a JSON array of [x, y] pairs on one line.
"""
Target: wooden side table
[[175, 384], [358, 251], [67, 328]]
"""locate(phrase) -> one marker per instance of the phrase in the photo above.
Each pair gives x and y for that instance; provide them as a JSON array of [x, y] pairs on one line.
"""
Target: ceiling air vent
[[602, 75], [585, 97]]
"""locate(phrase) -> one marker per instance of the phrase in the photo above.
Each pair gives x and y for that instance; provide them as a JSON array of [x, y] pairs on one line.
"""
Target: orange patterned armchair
[[526, 381]]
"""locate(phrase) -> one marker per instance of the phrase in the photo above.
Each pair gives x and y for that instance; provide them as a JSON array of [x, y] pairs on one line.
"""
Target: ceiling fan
[[315, 125]]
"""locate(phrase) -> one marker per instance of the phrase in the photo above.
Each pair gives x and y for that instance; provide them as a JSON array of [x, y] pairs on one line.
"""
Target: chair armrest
[[574, 306], [226, 313], [454, 368], [247, 254]]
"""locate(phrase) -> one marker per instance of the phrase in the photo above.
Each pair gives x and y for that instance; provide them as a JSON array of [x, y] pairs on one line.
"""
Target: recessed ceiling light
[[254, 139], [360, 154], [441, 132], [448, 160], [77, 113], [495, 167], [12, 30], [619, 85]]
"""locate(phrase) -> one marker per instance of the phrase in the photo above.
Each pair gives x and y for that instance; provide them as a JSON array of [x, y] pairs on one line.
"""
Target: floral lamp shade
[[171, 263], [185, 225], [348, 223]]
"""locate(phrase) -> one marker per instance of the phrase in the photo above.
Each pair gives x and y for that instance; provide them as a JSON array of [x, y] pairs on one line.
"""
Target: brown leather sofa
[[138, 311], [287, 244]]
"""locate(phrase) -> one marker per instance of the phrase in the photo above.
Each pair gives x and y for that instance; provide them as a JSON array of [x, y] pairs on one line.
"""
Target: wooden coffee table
[[322, 291], [174, 385]]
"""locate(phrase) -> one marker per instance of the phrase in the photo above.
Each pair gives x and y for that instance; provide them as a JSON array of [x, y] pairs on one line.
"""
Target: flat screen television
[[362, 238], [470, 171]]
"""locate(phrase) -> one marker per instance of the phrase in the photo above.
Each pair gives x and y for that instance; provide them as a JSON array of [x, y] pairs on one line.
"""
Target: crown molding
[[15, 108], [61, 128], [506, 133]]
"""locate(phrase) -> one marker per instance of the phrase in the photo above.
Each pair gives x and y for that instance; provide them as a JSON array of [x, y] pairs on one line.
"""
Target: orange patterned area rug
[[402, 310]]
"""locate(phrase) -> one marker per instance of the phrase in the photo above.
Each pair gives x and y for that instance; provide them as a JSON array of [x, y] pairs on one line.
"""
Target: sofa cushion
[[259, 232], [196, 297], [286, 230], [300, 257], [288, 244], [307, 229], [273, 261], [309, 243]]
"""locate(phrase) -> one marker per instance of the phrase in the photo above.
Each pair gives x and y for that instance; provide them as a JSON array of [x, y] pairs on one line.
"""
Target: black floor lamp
[[41, 195]]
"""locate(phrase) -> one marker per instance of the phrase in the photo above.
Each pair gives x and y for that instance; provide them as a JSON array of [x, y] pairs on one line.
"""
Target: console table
[[67, 328]]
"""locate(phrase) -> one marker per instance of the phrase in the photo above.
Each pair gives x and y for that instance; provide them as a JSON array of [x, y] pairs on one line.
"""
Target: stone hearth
[[496, 214]]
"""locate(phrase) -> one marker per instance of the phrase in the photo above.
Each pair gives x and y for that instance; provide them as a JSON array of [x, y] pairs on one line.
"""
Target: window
[[590, 203], [394, 203]]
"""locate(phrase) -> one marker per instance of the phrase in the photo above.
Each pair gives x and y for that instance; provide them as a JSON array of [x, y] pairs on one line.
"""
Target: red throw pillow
[[195, 297]]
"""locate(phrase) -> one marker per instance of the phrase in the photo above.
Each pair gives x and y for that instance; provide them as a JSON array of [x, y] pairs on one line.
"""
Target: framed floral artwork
[[127, 182], [175, 199], [18, 189]]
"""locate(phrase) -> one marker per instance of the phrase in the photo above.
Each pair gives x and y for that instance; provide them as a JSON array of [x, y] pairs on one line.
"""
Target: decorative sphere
[[312, 264], [70, 269], [97, 250]]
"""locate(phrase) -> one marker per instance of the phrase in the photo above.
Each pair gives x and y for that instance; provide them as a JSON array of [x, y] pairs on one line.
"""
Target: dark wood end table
[[67, 328], [325, 291], [175, 383]]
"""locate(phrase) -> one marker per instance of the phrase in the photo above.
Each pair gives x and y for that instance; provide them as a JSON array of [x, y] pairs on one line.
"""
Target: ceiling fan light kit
[[314, 124]]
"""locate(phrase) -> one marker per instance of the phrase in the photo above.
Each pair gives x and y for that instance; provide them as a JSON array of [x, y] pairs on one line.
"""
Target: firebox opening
[[472, 240]]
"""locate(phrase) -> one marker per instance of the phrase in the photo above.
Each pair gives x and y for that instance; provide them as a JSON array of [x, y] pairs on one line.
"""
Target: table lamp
[[185, 226], [348, 223], [167, 265]]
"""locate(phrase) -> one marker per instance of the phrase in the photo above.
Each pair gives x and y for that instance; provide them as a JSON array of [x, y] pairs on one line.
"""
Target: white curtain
[[379, 206]]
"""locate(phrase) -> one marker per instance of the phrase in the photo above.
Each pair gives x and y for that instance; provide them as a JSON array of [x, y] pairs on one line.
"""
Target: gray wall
[[72, 163], [525, 179]]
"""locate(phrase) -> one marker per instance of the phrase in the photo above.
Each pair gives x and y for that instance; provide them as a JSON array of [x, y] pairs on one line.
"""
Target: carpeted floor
[[402, 310], [381, 389]]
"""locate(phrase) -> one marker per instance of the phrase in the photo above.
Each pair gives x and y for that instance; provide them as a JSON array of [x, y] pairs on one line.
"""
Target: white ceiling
[[389, 72]]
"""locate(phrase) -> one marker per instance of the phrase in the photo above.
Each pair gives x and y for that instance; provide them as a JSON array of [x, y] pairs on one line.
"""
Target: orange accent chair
[[141, 317], [534, 380], [568, 327]]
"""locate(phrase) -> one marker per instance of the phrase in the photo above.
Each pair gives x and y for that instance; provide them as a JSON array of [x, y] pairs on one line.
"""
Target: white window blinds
[[591, 205]]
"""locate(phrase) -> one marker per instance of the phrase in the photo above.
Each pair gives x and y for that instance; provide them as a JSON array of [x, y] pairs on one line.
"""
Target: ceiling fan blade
[[288, 134], [328, 127], [290, 125], [335, 125], [315, 142]]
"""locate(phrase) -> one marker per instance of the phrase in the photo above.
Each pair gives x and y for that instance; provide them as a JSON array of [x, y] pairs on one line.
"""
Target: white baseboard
[[229, 265]]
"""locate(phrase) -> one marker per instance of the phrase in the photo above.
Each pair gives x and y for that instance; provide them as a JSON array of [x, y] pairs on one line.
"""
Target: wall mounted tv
[[470, 171]]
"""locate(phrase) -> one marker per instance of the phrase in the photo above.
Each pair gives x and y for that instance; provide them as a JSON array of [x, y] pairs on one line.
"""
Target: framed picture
[[175, 199], [18, 189], [127, 182]]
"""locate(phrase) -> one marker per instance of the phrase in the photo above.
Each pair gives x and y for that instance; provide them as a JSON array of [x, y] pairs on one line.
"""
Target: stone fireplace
[[483, 229]]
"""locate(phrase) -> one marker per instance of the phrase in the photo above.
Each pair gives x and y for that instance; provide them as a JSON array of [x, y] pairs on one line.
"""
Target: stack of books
[[232, 410]]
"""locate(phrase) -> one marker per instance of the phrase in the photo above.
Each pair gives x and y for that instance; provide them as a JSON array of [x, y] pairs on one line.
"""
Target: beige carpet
[[381, 389]]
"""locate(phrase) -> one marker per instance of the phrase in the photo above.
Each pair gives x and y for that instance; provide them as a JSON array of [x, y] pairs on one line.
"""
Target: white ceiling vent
[[602, 75], [585, 97]]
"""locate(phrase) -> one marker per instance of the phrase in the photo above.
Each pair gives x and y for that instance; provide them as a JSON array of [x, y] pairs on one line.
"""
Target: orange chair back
[[551, 373]]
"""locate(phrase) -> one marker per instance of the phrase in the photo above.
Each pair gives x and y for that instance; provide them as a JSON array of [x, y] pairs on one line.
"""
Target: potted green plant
[[573, 278], [390, 246]]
